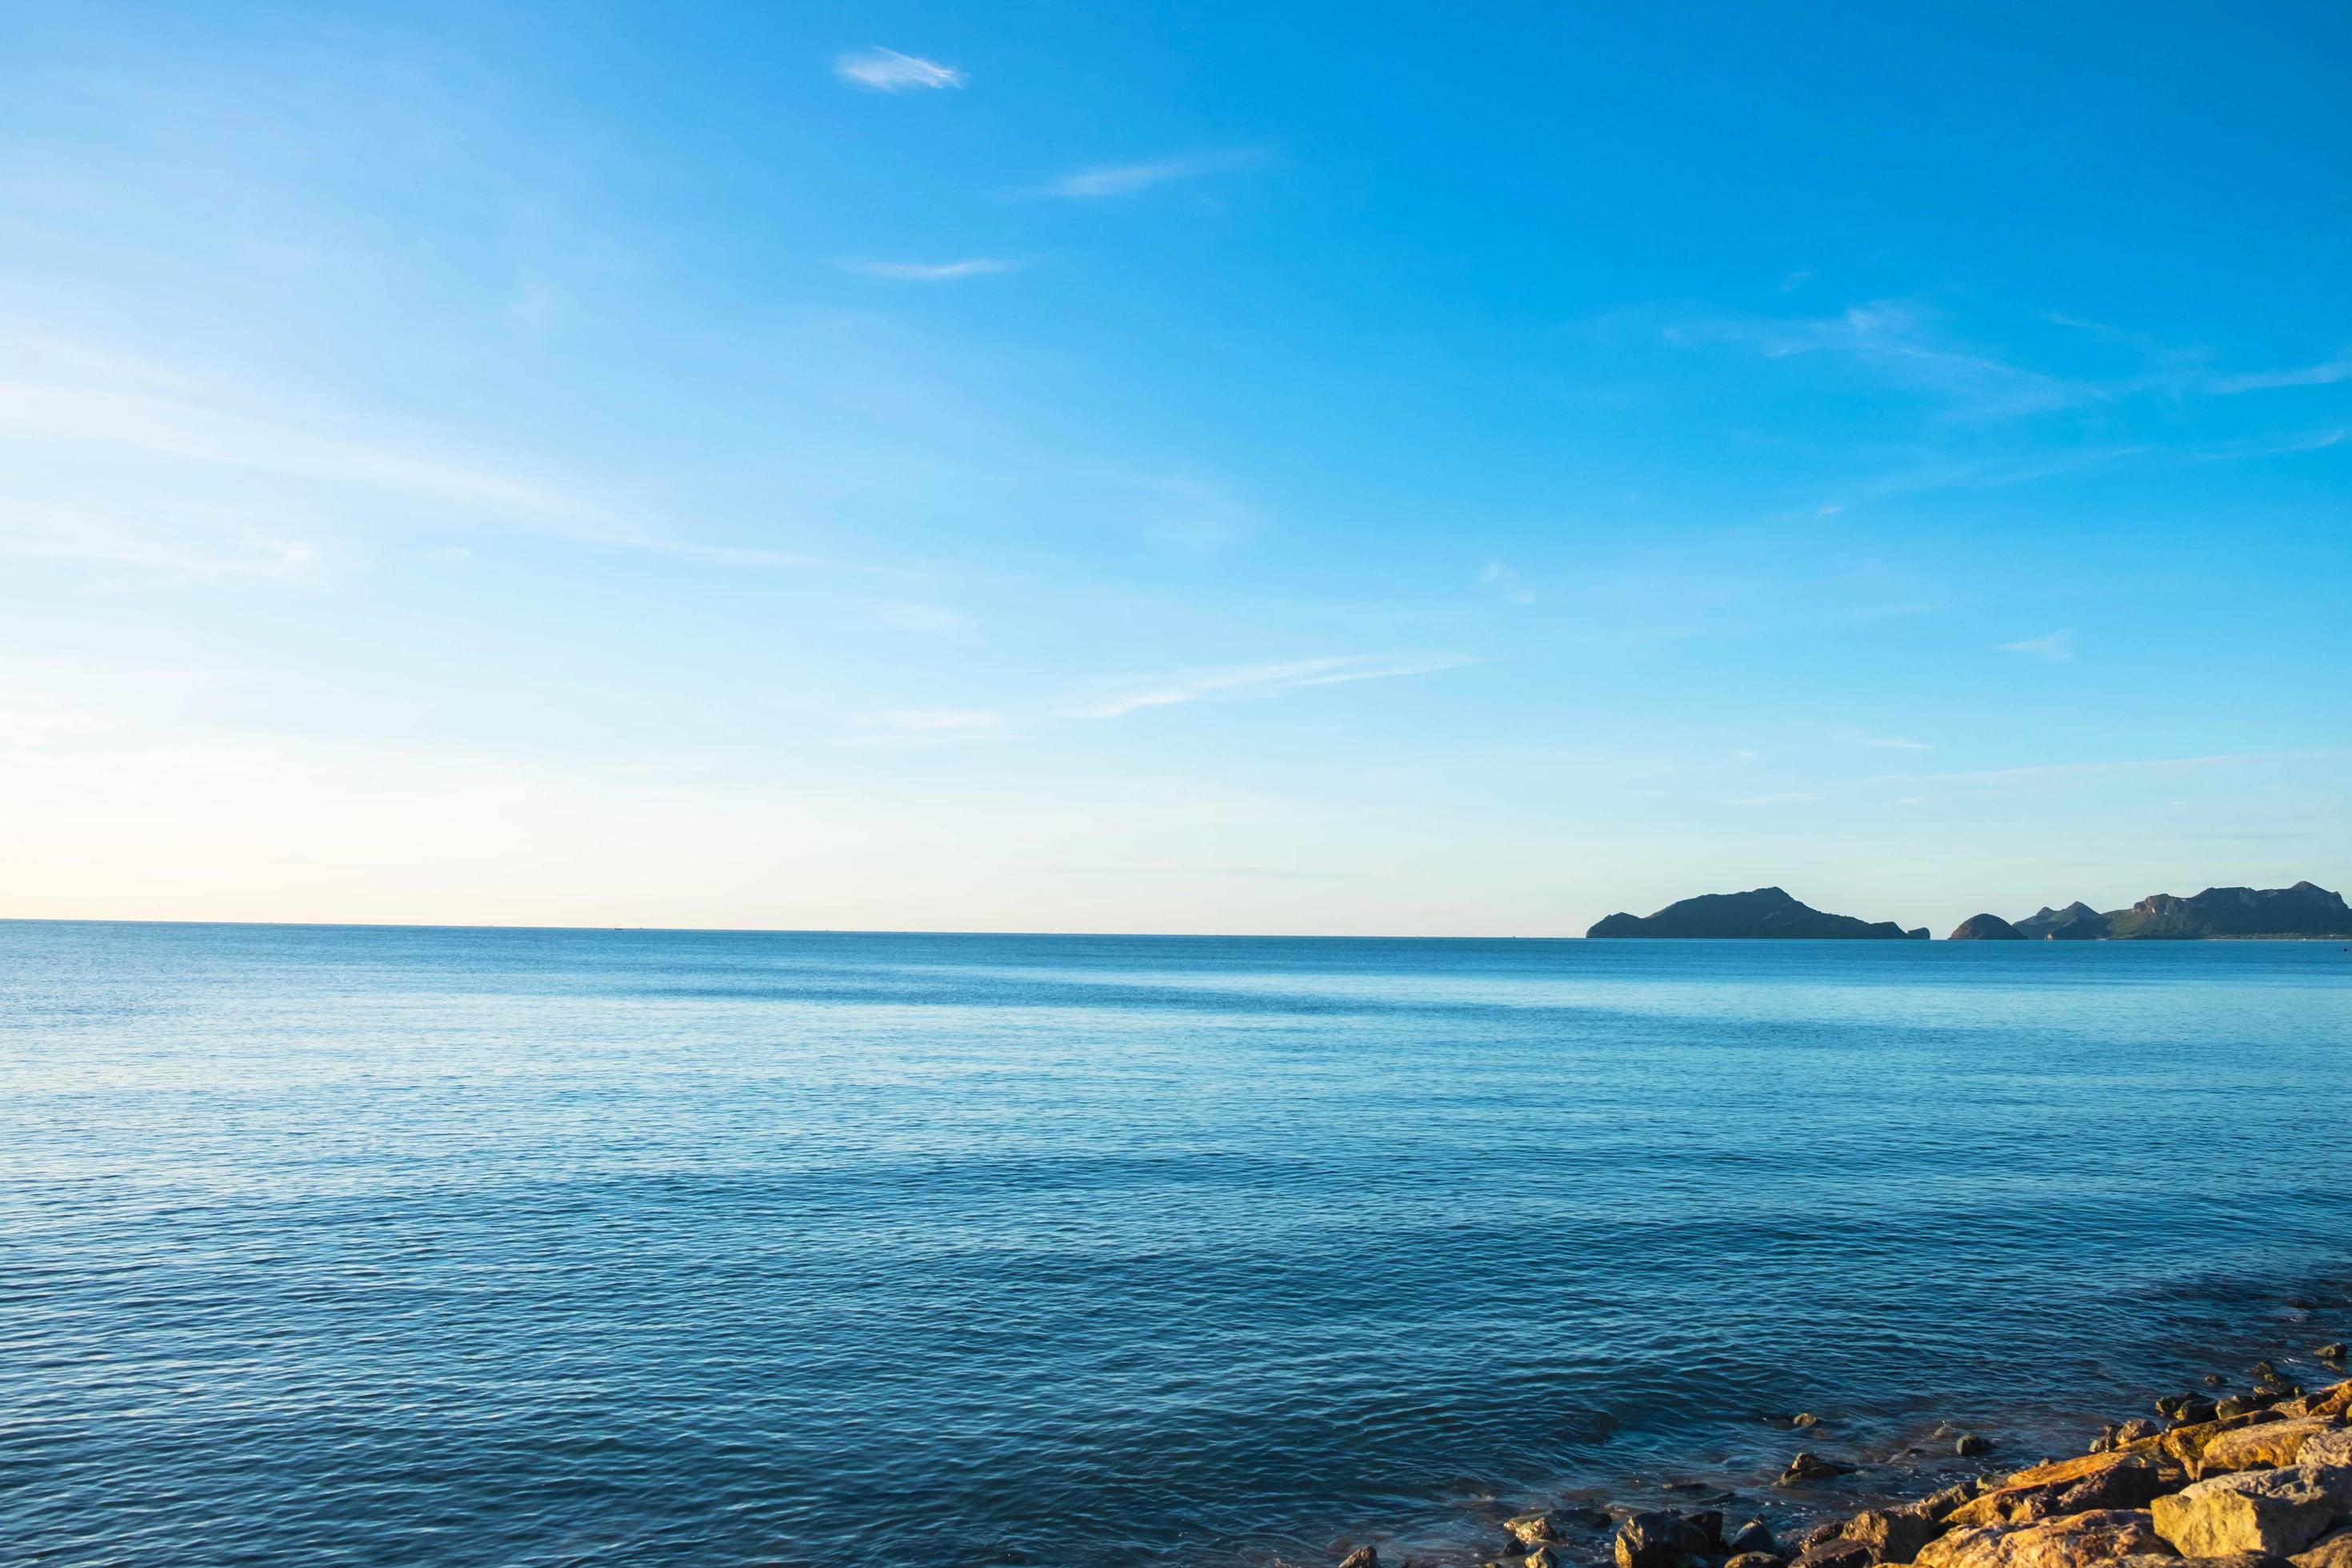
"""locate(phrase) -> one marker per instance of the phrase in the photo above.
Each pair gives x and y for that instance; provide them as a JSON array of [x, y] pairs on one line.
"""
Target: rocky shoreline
[[2258, 1476]]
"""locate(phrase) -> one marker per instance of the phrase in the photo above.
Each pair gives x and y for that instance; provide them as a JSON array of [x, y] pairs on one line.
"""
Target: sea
[[394, 1246]]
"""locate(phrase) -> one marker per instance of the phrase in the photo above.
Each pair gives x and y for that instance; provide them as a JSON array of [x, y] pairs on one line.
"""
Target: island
[[2303, 911], [1762, 913], [1985, 928]]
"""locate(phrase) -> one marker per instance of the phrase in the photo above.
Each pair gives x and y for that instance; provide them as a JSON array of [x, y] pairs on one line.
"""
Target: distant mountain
[[2303, 910], [1765, 912], [2078, 922], [1985, 928]]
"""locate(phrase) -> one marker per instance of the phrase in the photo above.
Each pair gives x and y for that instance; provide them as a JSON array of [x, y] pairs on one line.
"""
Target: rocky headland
[[1763, 913], [2207, 1478], [2305, 911]]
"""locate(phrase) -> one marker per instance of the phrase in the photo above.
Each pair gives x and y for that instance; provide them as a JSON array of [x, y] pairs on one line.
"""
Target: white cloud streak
[[878, 70], [2049, 648], [1125, 179], [1238, 682], [930, 272], [1894, 342], [2325, 373]]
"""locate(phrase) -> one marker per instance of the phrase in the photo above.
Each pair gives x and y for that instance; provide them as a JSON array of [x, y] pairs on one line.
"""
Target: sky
[[1170, 468]]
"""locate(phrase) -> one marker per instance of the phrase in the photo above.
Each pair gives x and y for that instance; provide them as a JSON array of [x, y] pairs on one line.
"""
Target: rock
[[1708, 1522], [1893, 1534], [1535, 1529], [2278, 1511], [2331, 1550], [2235, 1560], [1541, 1557], [2236, 1404], [2214, 1380], [2075, 1542], [2186, 1444], [2336, 1400], [2265, 1446], [2264, 1369], [1836, 1552], [2330, 1447], [2070, 1486], [1805, 1419], [1750, 1538], [1939, 1506], [1810, 1466], [2196, 1412], [1771, 1560], [1362, 1557], [2333, 1351], [1969, 1443], [2136, 1429], [1654, 1539]]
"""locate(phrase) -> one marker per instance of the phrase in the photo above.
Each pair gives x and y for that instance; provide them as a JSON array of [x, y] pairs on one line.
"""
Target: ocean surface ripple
[[388, 1247]]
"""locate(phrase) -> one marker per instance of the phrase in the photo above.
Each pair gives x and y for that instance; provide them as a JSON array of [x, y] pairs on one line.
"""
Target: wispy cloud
[[1238, 683], [887, 70], [932, 727], [1125, 179], [2325, 373], [1505, 583], [1898, 343], [930, 272], [2057, 770], [2049, 648]]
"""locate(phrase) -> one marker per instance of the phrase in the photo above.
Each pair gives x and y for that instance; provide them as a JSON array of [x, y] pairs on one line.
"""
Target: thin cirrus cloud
[[1240, 683], [1104, 180], [1118, 698], [878, 70], [2325, 373], [1898, 343], [2049, 648], [930, 272]]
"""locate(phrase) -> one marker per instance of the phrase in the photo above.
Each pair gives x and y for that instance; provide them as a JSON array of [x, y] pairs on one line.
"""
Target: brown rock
[[2262, 1447], [1893, 1534], [1837, 1552], [1771, 1560], [2094, 1482], [1541, 1557], [1810, 1466], [2278, 1511], [2330, 1551], [2186, 1444], [2327, 1448], [1362, 1557], [1656, 1540], [2075, 1542], [2235, 1560], [1535, 1529]]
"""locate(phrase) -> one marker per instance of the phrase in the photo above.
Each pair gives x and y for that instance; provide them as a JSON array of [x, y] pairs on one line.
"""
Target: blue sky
[[1216, 468]]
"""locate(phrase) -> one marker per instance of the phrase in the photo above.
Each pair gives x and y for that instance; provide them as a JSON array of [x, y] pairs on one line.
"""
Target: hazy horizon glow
[[1242, 470]]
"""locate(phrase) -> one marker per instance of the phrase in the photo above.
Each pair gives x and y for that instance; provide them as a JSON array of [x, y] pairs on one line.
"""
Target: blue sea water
[[455, 1246]]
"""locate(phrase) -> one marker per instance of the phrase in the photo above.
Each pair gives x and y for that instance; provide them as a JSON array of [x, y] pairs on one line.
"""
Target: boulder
[[1939, 1506], [1752, 1537], [1654, 1539], [1535, 1529], [2330, 1447], [2330, 1551], [2278, 1511], [1760, 1560], [2136, 1429], [2235, 1560], [1362, 1557], [2094, 1482], [1837, 1552], [2264, 1447], [2185, 1445], [1810, 1466], [1541, 1557], [1893, 1534], [1969, 1443], [2075, 1542]]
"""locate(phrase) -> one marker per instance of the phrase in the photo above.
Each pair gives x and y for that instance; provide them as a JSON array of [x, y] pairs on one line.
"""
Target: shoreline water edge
[[2252, 1470]]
